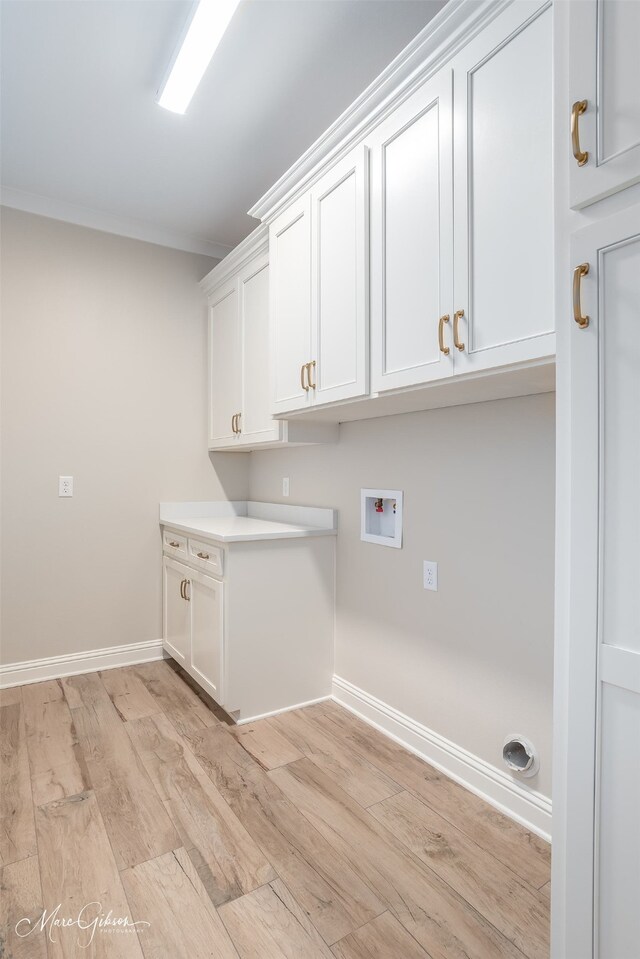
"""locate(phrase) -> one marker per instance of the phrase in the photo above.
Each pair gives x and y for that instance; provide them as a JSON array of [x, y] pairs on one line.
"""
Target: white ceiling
[[84, 140]]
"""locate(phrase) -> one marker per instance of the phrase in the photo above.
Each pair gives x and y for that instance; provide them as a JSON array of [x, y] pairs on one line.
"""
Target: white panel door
[[256, 424], [225, 365], [290, 306], [603, 759], [604, 72], [206, 600], [412, 240], [339, 281], [176, 621], [503, 191]]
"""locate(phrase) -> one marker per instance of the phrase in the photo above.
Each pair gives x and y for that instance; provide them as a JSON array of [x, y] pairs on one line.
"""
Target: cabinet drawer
[[174, 544], [205, 557]]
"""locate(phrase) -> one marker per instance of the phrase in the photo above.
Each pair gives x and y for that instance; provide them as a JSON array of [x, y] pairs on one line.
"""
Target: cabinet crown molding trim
[[252, 246], [457, 23]]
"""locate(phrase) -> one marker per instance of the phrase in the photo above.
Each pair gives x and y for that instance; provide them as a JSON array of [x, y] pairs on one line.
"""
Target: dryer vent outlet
[[520, 756]]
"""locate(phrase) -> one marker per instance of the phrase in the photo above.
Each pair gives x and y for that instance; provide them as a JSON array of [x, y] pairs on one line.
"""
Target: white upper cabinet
[[318, 251], [604, 106], [225, 364], [255, 423], [503, 309], [412, 240], [290, 277], [339, 279]]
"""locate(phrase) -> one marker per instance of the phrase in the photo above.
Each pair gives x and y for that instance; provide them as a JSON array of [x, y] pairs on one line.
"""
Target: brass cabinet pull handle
[[174, 543], [305, 366], [312, 386], [182, 588], [233, 424], [238, 427], [203, 556], [457, 316], [578, 273], [187, 585], [443, 319], [578, 108]]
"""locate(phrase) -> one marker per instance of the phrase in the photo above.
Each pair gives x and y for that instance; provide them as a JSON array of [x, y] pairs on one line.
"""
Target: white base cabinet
[[258, 637]]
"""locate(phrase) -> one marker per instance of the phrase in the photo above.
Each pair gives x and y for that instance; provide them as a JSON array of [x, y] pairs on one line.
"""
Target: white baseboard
[[528, 807], [55, 667], [277, 712]]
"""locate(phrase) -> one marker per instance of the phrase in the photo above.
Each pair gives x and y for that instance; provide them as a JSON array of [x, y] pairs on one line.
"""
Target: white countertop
[[245, 521]]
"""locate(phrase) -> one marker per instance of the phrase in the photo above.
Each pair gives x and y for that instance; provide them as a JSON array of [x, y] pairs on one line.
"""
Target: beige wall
[[103, 378], [473, 662]]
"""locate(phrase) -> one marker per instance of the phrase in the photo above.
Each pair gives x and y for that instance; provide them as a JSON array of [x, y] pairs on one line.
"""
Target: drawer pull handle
[[312, 386], [305, 366], [578, 273], [578, 108], [443, 319], [174, 543], [203, 556], [457, 316]]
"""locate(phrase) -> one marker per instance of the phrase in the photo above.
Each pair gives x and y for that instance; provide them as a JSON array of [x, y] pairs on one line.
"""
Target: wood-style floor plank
[[520, 850], [509, 903], [167, 893], [225, 856], [186, 711], [283, 892], [11, 696], [364, 782], [262, 927], [442, 922], [135, 819], [336, 900], [57, 763], [17, 830], [382, 938], [78, 869], [128, 693], [263, 741], [20, 909]]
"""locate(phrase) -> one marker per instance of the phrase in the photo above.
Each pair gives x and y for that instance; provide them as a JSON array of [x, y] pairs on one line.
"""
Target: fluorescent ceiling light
[[204, 31]]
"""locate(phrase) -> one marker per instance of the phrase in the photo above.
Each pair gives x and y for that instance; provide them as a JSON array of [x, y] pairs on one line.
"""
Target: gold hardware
[[443, 319], [457, 316], [203, 556], [305, 366], [578, 108], [238, 427], [578, 273], [187, 586], [233, 424], [174, 543], [182, 588], [312, 386]]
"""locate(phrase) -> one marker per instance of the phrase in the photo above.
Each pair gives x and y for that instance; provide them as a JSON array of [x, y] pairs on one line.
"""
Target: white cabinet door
[[601, 823], [206, 601], [176, 621], [604, 72], [412, 239], [339, 281], [503, 191], [290, 309], [255, 423], [225, 366]]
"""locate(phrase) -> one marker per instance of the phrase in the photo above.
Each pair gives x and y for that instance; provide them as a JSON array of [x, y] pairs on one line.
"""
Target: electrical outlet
[[65, 486], [430, 574], [285, 485]]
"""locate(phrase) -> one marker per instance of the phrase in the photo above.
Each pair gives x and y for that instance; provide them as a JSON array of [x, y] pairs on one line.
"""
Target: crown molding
[[253, 245], [452, 27], [108, 223]]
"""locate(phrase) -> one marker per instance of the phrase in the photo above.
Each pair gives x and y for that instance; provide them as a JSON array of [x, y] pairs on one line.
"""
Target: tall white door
[[206, 600], [339, 281], [225, 366], [503, 192], [412, 240], [256, 423], [290, 309], [603, 824], [176, 617], [604, 154]]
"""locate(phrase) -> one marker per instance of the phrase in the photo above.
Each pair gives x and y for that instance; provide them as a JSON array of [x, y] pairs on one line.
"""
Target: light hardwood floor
[[306, 836]]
